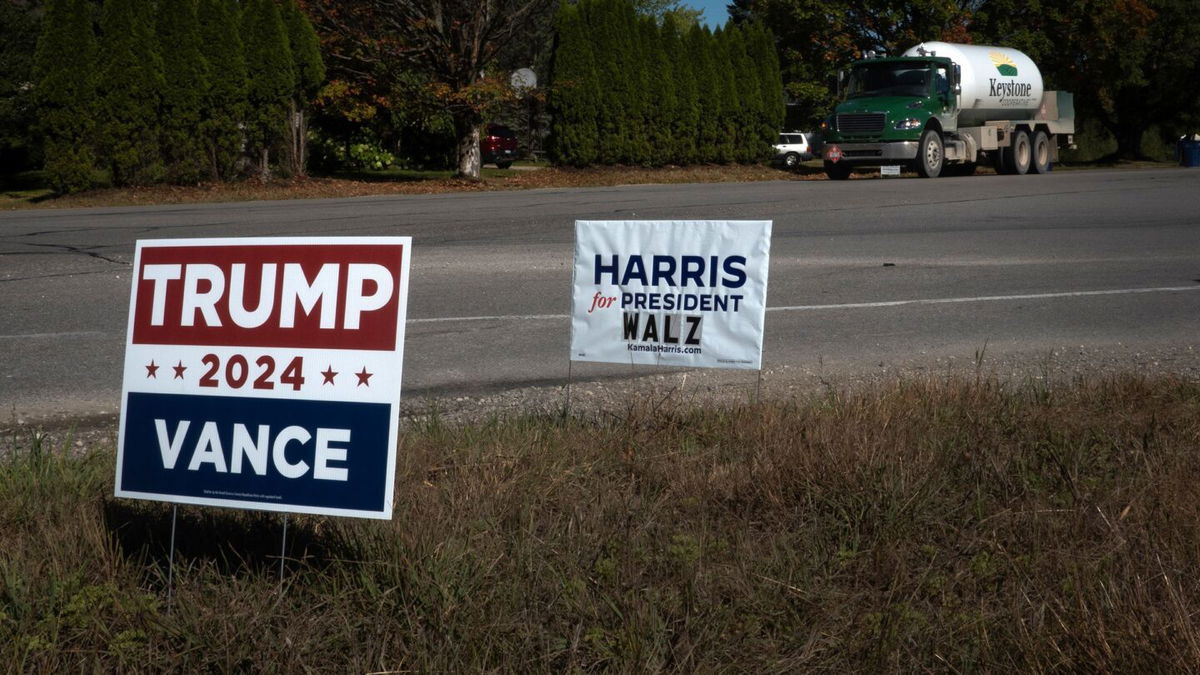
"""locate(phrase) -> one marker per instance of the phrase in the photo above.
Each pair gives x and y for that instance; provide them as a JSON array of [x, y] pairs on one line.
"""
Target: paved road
[[865, 276]]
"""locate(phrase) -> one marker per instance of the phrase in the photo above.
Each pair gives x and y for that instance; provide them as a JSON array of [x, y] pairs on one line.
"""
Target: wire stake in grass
[[282, 551], [171, 559]]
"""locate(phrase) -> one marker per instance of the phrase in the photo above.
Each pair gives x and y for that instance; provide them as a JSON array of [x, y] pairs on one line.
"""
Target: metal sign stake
[[171, 559], [282, 550]]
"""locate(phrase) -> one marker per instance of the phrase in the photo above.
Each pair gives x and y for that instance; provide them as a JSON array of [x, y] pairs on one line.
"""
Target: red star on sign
[[179, 371], [152, 370], [329, 374], [363, 377]]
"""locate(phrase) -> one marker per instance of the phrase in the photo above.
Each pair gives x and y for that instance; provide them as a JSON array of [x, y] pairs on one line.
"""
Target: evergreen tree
[[129, 94], [685, 121], [725, 95], [20, 28], [635, 68], [65, 82], [185, 79], [708, 132], [574, 92], [310, 74], [224, 102], [663, 105], [611, 46], [271, 80], [747, 108], [762, 52]]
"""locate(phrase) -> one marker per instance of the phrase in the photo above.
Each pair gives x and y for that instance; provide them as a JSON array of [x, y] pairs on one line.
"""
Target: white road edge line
[[791, 308], [78, 333], [985, 298], [857, 305]]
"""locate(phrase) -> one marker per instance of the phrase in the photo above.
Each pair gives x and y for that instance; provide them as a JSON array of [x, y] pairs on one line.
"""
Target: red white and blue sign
[[265, 373]]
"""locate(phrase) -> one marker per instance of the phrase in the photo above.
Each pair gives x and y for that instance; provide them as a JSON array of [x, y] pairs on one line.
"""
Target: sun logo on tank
[[1003, 64]]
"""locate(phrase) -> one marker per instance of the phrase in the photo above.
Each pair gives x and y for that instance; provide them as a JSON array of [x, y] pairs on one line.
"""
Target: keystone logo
[[1003, 64]]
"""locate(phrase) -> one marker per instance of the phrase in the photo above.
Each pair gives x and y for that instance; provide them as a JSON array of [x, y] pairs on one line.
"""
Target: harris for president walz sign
[[265, 373], [674, 292]]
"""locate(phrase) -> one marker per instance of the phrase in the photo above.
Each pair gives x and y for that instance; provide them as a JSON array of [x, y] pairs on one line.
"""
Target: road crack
[[67, 248]]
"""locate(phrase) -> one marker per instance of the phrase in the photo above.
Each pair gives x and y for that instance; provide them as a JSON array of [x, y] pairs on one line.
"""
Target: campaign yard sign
[[265, 373], [679, 293]]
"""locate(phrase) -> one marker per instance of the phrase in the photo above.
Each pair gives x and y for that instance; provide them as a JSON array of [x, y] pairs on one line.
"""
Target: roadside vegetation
[[28, 191], [949, 524]]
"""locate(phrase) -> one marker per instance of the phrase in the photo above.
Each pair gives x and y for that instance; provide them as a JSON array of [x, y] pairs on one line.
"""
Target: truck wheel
[[930, 155], [791, 160], [1019, 155], [837, 171], [1041, 152]]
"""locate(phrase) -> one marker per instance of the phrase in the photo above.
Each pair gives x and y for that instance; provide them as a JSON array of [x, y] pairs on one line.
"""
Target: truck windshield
[[888, 79]]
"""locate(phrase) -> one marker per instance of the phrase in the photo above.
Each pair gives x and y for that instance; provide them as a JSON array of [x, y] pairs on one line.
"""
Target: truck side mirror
[[841, 82], [957, 80]]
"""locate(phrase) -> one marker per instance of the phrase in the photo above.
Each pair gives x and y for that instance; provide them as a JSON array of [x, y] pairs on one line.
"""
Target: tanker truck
[[943, 108]]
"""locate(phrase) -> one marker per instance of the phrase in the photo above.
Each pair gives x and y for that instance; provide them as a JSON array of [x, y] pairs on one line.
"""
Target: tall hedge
[[270, 79], [661, 96], [574, 102], [185, 80], [224, 98], [129, 92], [64, 73], [684, 119], [310, 73], [169, 90]]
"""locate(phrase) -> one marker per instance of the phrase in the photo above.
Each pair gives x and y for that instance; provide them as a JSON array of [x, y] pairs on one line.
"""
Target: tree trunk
[[1129, 141], [466, 128], [297, 140]]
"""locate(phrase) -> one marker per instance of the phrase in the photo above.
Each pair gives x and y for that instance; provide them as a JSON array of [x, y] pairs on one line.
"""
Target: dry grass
[[25, 194], [920, 525], [400, 183]]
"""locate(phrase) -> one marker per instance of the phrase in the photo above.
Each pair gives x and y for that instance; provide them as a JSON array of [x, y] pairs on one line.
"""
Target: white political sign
[[672, 292]]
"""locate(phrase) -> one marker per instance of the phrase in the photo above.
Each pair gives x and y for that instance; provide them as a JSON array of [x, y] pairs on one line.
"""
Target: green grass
[[20, 189], [962, 525]]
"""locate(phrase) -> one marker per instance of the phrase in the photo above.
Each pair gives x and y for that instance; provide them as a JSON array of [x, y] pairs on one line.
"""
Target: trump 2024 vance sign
[[265, 373], [680, 293]]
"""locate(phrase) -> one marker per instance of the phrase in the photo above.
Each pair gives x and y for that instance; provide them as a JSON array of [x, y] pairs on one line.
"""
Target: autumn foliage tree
[[816, 37], [450, 45], [1132, 65]]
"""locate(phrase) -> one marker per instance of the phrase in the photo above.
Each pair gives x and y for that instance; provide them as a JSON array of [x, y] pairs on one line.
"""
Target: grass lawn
[[958, 525]]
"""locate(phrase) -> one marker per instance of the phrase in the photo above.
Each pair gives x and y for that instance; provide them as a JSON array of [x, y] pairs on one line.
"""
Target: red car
[[498, 146]]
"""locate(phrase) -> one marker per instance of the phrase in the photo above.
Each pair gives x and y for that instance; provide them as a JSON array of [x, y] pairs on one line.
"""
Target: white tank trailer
[[943, 108]]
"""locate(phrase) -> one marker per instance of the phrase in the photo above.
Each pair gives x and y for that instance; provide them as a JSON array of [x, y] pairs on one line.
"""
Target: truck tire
[[836, 171], [791, 160], [1041, 152], [1019, 155], [930, 154]]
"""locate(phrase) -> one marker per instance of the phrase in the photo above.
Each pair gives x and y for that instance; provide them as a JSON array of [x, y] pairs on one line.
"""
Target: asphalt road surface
[[1096, 268]]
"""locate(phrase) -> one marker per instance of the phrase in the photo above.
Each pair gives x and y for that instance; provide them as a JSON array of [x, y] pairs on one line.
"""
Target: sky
[[715, 14]]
